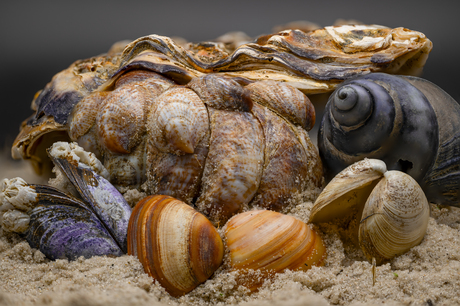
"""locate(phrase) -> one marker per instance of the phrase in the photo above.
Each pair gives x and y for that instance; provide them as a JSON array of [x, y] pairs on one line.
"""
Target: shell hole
[[405, 165], [41, 162]]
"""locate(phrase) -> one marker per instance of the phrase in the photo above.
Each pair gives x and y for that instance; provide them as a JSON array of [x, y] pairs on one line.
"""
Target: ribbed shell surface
[[272, 242], [177, 246]]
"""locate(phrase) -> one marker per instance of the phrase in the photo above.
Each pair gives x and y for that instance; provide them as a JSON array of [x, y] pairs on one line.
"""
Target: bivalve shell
[[177, 245], [271, 242], [385, 212], [395, 217]]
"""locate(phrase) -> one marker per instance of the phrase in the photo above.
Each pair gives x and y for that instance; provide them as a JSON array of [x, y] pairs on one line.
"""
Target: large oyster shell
[[314, 62]]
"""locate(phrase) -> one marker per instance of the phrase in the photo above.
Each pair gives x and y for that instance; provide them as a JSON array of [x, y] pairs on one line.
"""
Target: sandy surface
[[429, 274]]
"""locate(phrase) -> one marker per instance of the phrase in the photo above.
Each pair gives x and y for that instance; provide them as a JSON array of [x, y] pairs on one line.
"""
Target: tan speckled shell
[[179, 121]]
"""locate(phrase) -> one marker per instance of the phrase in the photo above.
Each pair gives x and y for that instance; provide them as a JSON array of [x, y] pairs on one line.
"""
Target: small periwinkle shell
[[177, 245], [409, 123], [271, 242], [385, 212]]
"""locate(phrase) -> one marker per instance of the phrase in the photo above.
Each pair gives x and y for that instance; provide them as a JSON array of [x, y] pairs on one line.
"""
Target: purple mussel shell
[[62, 226], [101, 197], [67, 232]]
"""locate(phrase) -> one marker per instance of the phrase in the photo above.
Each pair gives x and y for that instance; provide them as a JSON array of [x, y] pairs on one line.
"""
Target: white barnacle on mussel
[[16, 198], [385, 212]]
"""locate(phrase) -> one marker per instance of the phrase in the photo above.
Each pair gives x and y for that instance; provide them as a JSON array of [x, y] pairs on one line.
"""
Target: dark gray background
[[41, 38]]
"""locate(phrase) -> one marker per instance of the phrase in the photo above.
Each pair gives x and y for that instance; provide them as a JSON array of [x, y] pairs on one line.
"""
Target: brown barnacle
[[178, 122], [285, 100], [234, 164], [221, 93], [121, 121]]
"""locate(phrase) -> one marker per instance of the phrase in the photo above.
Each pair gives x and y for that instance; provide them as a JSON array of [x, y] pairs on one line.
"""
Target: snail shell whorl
[[177, 245], [400, 129], [395, 217]]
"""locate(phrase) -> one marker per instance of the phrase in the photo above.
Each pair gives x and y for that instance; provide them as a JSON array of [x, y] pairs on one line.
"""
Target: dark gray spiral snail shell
[[408, 122]]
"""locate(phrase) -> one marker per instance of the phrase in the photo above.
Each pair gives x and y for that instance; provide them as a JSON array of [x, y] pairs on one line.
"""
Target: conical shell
[[177, 245], [271, 242], [395, 217]]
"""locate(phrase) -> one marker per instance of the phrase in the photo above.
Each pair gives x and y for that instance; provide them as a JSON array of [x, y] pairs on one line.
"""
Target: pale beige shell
[[385, 212], [271, 242], [177, 245], [347, 192], [395, 217]]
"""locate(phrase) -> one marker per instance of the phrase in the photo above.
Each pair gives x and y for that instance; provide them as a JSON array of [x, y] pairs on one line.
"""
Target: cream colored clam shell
[[347, 191], [395, 217]]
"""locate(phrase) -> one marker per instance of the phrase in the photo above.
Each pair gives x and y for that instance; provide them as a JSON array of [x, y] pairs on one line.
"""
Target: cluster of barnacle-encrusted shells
[[212, 141]]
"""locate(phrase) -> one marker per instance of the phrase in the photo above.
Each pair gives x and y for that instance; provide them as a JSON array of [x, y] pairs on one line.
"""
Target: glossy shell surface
[[271, 242], [177, 245]]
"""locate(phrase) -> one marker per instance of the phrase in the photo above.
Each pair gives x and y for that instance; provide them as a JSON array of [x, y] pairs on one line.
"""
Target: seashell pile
[[216, 134], [386, 210], [178, 246], [221, 129]]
